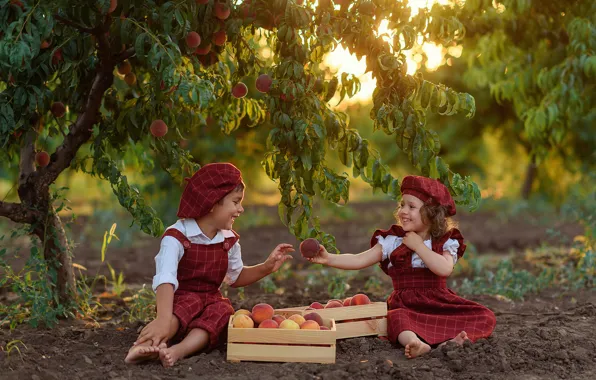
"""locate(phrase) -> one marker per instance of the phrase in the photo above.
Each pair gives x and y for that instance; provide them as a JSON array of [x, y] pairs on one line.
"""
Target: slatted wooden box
[[281, 345], [350, 321]]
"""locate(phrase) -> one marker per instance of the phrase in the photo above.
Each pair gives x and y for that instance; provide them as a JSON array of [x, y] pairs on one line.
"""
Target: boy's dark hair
[[434, 216], [241, 186]]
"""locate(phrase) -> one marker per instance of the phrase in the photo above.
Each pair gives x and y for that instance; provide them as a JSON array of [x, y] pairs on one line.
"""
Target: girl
[[197, 253], [419, 254]]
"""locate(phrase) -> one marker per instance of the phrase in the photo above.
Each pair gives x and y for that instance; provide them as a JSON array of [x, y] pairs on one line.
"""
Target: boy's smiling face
[[228, 209]]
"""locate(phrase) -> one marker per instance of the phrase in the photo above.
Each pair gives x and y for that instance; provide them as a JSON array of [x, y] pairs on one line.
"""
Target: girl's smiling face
[[228, 209], [409, 215]]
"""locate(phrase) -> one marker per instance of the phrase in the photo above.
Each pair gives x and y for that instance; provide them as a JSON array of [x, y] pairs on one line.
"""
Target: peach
[[360, 299], [44, 44], [242, 311], [348, 301], [242, 321], [130, 79], [316, 305], [331, 304], [310, 325], [58, 109], [57, 57], [158, 128], [222, 11], [240, 90], [262, 311], [309, 247], [193, 40], [268, 324], [297, 318], [278, 318], [263, 83], [113, 5], [325, 328], [220, 37], [314, 317], [42, 158], [288, 324], [202, 50], [124, 68]]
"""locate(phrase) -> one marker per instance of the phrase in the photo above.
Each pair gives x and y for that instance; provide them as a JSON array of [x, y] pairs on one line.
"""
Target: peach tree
[[107, 78]]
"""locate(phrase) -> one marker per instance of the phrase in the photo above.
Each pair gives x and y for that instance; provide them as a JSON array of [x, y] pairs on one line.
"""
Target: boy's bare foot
[[460, 338], [169, 356], [416, 348], [138, 354]]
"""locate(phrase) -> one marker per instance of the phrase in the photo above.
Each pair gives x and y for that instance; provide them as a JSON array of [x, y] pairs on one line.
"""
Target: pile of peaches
[[358, 299], [263, 317]]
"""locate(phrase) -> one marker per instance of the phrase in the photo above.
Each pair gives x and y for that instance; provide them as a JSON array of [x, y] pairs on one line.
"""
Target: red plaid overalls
[[198, 303], [421, 301]]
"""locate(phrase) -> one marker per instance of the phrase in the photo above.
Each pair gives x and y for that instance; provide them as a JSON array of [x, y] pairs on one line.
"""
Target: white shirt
[[391, 242], [171, 251]]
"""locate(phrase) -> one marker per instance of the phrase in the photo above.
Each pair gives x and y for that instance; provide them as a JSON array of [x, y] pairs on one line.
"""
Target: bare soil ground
[[546, 336]]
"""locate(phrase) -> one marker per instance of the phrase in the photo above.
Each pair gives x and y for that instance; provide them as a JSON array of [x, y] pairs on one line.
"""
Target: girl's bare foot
[[416, 348], [138, 354], [460, 338], [169, 356]]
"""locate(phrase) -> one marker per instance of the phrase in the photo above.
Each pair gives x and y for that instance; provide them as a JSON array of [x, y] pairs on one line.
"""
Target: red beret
[[427, 189], [206, 187]]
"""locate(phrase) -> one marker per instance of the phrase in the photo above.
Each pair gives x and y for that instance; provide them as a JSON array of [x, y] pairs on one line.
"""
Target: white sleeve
[[166, 262], [235, 264], [451, 246], [389, 244]]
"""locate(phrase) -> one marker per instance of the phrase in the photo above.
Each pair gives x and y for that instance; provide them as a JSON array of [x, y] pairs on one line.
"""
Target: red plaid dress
[[421, 301], [198, 303]]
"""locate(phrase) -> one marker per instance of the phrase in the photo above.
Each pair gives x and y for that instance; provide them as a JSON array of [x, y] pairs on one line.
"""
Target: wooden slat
[[300, 354], [375, 309], [362, 328], [256, 335]]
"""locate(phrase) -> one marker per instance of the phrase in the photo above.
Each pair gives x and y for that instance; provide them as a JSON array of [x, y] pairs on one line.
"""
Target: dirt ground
[[547, 336]]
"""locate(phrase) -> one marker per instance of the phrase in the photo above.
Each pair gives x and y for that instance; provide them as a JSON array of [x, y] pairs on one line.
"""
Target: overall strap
[[451, 234], [178, 236]]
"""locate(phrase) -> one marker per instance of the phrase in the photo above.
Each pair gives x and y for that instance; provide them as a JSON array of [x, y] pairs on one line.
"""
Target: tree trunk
[[531, 172], [56, 252]]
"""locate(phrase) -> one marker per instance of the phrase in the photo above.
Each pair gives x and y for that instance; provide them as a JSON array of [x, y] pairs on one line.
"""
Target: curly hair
[[434, 216]]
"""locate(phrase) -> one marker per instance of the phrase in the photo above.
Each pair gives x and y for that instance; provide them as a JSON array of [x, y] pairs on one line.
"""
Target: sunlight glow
[[341, 61]]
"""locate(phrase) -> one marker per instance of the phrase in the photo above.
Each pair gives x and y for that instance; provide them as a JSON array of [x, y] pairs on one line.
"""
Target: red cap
[[427, 189], [206, 187]]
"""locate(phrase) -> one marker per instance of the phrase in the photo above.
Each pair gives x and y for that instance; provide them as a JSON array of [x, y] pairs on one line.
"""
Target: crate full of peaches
[[264, 335]]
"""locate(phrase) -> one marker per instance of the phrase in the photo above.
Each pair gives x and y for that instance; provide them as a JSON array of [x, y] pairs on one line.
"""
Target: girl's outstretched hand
[[279, 256], [322, 257]]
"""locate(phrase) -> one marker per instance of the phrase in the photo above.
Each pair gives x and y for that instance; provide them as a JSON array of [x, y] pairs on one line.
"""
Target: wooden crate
[[280, 345], [351, 321]]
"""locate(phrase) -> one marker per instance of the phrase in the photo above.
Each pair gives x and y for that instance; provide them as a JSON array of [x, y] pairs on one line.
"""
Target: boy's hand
[[413, 241], [156, 332], [279, 256], [322, 257]]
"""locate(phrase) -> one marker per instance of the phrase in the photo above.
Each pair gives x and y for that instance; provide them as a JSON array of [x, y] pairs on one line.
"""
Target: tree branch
[[80, 132], [123, 56], [68, 22], [18, 214]]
